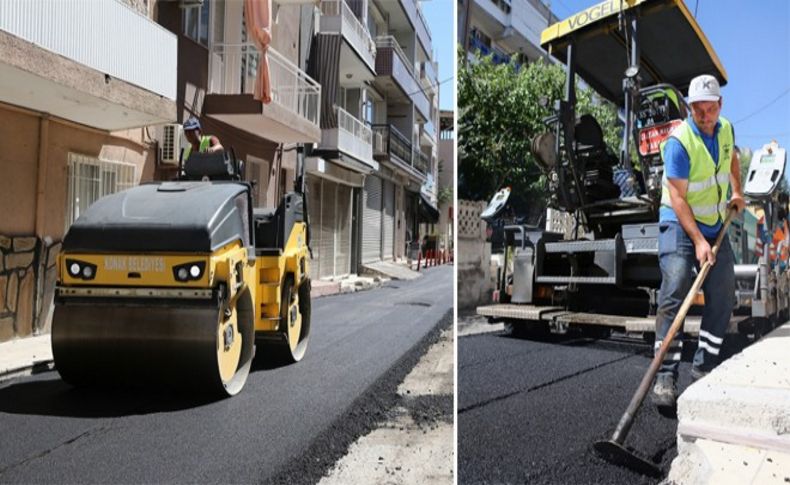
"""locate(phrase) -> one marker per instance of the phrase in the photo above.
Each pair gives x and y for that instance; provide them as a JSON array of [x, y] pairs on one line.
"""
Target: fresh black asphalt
[[530, 410], [51, 432]]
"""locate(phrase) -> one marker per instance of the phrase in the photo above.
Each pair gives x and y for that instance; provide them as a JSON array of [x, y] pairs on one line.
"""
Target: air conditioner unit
[[171, 144]]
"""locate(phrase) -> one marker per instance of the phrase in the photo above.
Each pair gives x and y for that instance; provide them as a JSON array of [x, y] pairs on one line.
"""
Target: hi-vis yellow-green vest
[[205, 143], [708, 182]]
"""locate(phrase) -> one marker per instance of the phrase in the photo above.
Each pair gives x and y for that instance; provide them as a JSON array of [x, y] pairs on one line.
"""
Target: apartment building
[[404, 112], [378, 147], [74, 104], [343, 60], [504, 28]]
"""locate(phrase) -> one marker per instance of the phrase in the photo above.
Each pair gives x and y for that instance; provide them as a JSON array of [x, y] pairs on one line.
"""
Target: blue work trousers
[[678, 259]]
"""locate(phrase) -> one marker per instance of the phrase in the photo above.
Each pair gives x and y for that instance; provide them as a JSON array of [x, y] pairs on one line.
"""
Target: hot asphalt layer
[[374, 407], [529, 411], [54, 433]]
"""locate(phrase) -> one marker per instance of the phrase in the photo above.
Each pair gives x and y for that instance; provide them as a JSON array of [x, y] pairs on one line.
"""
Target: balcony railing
[[497, 56], [422, 162], [429, 129], [116, 40], [423, 21], [234, 67], [351, 25], [390, 42], [351, 136], [415, 16], [354, 127], [408, 80], [428, 73], [397, 145]]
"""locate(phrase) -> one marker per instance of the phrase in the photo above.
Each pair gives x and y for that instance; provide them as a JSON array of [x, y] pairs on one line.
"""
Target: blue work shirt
[[677, 165]]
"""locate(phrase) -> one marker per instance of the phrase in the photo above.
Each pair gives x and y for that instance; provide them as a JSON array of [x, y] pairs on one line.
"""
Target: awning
[[427, 211]]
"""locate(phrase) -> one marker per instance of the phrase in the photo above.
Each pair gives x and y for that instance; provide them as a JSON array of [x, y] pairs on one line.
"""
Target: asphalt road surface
[[530, 410], [51, 432]]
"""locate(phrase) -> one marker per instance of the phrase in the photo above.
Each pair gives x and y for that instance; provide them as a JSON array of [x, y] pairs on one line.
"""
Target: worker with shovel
[[700, 169]]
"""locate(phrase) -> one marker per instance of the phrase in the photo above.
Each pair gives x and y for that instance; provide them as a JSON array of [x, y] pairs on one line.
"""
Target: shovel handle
[[628, 418]]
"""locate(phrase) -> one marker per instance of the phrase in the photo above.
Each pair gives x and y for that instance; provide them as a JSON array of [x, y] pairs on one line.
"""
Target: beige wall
[[18, 171], [285, 32], [33, 193], [19, 166]]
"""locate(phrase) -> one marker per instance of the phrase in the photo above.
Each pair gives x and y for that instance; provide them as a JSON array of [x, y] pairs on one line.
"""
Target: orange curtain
[[258, 15]]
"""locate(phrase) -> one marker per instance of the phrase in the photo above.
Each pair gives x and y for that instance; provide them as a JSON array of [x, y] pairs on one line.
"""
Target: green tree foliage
[[501, 108]]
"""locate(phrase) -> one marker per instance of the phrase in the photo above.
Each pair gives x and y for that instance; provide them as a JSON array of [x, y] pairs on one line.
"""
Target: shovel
[[612, 450]]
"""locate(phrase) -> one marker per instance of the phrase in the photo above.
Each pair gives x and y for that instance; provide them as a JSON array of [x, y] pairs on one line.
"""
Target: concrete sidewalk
[[25, 356], [415, 443], [734, 424]]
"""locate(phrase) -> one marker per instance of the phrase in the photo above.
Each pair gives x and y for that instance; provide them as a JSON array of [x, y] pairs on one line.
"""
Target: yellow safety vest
[[205, 143], [708, 181]]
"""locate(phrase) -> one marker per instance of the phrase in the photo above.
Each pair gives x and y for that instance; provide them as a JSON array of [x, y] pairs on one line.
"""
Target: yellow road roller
[[173, 283]]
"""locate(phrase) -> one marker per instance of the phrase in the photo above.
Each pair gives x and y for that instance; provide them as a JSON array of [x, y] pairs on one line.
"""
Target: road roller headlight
[[81, 269], [189, 271]]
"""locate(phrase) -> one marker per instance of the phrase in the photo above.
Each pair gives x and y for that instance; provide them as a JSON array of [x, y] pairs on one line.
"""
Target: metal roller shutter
[[371, 220], [328, 225], [343, 249], [388, 221], [314, 213]]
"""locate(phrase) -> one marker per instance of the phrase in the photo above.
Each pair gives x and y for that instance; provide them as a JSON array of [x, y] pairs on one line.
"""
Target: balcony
[[497, 56], [518, 28], [291, 117], [338, 18], [422, 29], [429, 77], [398, 150], [422, 162], [396, 75], [409, 17], [351, 137], [117, 74], [428, 134]]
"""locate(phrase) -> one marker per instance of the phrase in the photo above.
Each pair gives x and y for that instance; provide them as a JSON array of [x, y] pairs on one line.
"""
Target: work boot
[[665, 393], [697, 373]]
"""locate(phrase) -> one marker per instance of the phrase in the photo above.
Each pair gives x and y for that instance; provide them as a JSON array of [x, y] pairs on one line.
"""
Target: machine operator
[[197, 141]]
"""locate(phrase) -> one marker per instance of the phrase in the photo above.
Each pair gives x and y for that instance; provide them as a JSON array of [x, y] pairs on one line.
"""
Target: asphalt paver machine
[[171, 284], [595, 269]]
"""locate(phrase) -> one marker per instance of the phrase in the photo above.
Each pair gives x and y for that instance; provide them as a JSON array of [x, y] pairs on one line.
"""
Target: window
[[503, 5], [196, 23], [368, 111], [89, 179], [479, 39]]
